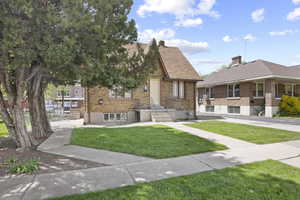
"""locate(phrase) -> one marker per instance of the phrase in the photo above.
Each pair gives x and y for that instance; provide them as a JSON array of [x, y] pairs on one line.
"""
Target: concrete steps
[[161, 116]]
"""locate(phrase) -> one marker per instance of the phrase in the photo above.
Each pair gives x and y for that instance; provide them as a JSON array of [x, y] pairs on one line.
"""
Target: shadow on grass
[[268, 180]]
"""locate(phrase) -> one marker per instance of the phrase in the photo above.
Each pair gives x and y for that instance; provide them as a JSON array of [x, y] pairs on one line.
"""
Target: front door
[[155, 91]]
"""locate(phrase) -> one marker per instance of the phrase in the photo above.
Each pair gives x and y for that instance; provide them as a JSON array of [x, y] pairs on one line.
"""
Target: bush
[[289, 106], [25, 167]]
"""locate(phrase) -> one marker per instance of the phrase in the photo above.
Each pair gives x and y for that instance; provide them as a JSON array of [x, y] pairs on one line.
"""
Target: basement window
[[210, 109], [234, 109], [115, 117]]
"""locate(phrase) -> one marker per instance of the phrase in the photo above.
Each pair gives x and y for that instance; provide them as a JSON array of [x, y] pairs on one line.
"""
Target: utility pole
[[245, 50]]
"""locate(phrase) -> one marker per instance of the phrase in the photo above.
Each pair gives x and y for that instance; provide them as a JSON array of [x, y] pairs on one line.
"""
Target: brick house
[[73, 100], [254, 88], [168, 94]]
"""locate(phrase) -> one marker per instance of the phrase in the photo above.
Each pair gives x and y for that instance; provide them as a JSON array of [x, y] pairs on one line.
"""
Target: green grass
[[254, 134], [3, 130], [150, 141], [268, 180]]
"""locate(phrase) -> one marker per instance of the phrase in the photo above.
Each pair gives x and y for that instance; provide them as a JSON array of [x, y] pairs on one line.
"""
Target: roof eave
[[250, 79]]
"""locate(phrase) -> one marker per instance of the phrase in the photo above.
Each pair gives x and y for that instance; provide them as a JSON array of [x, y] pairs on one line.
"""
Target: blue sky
[[211, 32]]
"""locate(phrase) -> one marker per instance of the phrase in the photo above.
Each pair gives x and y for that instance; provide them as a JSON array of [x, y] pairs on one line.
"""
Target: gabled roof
[[250, 71], [175, 64]]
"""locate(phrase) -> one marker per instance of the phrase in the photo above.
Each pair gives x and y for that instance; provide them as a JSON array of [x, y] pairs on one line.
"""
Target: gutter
[[250, 79]]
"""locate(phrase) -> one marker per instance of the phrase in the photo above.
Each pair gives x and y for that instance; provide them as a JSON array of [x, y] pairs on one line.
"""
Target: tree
[[62, 41]]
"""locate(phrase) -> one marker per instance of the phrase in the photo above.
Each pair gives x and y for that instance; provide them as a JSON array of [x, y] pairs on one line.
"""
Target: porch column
[[270, 108]]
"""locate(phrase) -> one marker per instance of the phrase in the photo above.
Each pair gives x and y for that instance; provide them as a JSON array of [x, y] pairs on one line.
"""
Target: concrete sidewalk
[[129, 169]]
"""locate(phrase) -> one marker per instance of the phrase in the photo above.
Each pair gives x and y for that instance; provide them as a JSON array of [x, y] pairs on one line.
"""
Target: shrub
[[289, 105], [26, 167]]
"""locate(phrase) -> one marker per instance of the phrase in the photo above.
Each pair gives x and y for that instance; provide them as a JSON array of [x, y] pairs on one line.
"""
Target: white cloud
[[294, 15], [208, 61], [296, 1], [249, 37], [297, 56], [169, 36], [283, 33], [188, 47], [258, 15], [162, 34], [205, 8], [227, 38], [189, 22], [179, 8]]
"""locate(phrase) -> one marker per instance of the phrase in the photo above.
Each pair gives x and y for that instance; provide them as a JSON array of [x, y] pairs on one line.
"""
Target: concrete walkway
[[128, 169]]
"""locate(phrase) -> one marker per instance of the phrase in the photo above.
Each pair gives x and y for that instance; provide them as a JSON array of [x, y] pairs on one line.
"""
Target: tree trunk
[[36, 100], [23, 138]]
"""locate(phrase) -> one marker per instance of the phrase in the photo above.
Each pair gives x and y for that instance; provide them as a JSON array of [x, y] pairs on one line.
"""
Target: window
[[210, 108], [178, 89], [181, 89], [290, 89], [119, 92], [233, 90], [234, 109], [297, 90], [279, 90], [75, 104], [115, 116], [260, 90], [77, 92], [210, 93], [66, 93]]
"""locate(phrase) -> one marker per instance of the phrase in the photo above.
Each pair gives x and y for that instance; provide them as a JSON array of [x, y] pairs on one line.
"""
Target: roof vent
[[237, 60]]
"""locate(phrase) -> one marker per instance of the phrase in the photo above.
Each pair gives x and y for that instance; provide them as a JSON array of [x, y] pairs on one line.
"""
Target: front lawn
[[254, 134], [268, 180], [3, 130], [150, 141]]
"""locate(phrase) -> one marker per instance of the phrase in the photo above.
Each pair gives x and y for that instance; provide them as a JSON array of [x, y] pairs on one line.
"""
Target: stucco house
[[167, 95], [254, 88]]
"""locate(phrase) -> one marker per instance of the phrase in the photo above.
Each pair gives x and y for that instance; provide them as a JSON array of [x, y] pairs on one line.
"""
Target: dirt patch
[[48, 163]]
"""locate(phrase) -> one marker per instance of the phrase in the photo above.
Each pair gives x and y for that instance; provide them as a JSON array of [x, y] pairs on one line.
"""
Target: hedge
[[289, 105]]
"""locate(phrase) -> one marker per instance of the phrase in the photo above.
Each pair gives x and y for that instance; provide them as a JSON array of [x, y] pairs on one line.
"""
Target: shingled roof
[[250, 71], [175, 64]]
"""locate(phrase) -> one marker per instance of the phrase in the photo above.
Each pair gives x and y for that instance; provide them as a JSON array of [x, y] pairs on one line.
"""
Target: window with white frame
[[65, 92], [290, 89], [279, 90], [175, 88], [260, 89], [233, 90], [234, 109], [210, 93], [119, 92], [115, 116], [178, 89], [181, 89]]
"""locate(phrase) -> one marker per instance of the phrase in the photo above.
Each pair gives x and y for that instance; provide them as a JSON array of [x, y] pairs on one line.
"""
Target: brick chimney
[[237, 60], [161, 43]]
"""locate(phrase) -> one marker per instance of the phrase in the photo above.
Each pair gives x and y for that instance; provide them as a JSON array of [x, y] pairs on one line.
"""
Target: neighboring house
[[73, 98], [168, 94], [253, 88]]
